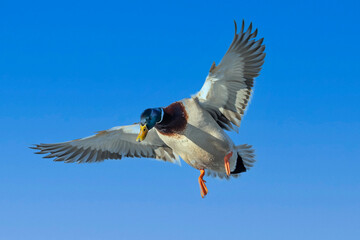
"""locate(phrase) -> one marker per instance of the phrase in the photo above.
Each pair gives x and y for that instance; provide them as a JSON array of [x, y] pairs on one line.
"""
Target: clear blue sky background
[[68, 69]]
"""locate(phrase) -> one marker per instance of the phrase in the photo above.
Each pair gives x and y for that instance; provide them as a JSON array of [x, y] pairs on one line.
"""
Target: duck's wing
[[114, 143], [227, 88]]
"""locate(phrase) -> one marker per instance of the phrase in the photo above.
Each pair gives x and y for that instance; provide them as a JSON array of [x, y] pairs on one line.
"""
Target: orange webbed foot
[[227, 163], [203, 188]]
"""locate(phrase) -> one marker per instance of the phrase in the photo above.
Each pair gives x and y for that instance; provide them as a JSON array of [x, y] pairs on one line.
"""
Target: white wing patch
[[205, 90]]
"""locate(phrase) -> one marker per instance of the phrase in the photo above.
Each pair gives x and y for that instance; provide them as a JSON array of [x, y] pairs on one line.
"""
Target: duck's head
[[148, 119]]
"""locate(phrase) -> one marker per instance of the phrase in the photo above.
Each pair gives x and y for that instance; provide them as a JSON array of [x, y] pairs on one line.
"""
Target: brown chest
[[174, 120]]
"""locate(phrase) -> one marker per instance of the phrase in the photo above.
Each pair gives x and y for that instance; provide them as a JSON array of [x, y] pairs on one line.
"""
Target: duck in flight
[[193, 129]]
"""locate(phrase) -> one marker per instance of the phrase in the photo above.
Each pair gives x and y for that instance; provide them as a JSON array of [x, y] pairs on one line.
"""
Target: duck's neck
[[161, 116]]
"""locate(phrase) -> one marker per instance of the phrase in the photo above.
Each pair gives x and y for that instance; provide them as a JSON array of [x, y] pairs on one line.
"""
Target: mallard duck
[[193, 129]]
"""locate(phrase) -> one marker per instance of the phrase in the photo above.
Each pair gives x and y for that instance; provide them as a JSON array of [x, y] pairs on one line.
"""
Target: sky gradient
[[69, 69]]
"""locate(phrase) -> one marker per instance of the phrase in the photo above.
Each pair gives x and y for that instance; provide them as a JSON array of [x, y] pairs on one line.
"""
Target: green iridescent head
[[148, 119]]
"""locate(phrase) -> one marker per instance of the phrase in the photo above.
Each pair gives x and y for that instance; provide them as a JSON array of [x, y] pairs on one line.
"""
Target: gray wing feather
[[114, 143], [228, 87]]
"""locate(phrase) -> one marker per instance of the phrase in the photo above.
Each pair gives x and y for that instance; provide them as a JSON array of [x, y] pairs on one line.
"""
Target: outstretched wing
[[114, 143], [227, 89]]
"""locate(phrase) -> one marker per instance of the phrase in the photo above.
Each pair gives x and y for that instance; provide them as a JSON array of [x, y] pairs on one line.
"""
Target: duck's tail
[[245, 159]]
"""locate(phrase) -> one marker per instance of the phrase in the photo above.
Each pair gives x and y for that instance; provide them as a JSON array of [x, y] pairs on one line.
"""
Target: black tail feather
[[240, 167]]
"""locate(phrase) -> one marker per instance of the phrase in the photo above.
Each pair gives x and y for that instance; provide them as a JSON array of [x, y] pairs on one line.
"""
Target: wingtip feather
[[242, 27], [235, 26]]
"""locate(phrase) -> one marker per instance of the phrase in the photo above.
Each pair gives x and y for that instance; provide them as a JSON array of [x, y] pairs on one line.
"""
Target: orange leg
[[203, 188], [227, 163]]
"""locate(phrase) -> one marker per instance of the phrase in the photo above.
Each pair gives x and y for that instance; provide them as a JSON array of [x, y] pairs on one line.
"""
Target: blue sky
[[68, 69]]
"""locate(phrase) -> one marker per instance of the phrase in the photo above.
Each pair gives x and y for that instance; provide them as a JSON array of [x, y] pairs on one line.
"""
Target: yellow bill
[[142, 135]]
